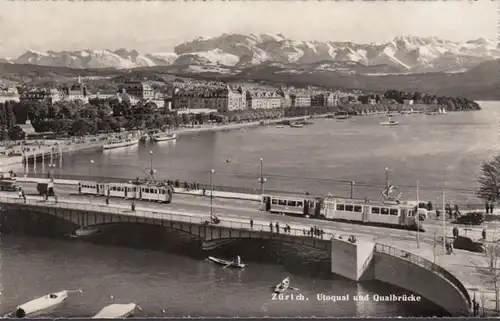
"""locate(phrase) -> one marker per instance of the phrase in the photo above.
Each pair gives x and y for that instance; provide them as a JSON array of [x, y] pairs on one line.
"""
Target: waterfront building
[[9, 94], [300, 99], [49, 96], [324, 99], [221, 99], [263, 100]]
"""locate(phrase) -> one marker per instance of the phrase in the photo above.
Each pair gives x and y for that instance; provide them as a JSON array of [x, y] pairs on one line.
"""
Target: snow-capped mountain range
[[236, 52]]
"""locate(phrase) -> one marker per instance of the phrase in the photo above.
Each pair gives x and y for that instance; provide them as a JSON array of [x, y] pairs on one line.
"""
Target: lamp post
[[387, 177], [212, 171], [90, 176], [262, 180], [418, 216], [151, 169], [444, 224], [51, 169], [352, 189]]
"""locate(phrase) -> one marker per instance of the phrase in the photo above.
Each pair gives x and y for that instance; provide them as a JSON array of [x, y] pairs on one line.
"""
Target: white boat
[[280, 126], [85, 231], [282, 286], [117, 142], [296, 125], [115, 311], [390, 122], [163, 136], [41, 305], [226, 263]]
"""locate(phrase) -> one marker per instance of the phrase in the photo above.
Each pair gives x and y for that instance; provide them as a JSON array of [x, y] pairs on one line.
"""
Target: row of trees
[[453, 103]]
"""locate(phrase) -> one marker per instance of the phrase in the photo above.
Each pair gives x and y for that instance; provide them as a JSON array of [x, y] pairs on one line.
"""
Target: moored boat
[[115, 311], [390, 122], [120, 142], [41, 305], [342, 116], [163, 136], [282, 286], [236, 263], [296, 125], [280, 126]]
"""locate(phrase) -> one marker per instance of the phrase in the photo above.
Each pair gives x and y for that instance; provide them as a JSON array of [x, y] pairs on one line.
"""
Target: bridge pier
[[353, 260]]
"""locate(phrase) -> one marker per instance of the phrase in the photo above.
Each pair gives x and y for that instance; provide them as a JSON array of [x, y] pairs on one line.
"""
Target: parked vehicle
[[9, 185], [468, 244], [471, 218]]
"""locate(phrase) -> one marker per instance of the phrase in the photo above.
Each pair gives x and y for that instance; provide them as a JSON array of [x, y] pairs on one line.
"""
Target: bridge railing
[[426, 264], [164, 216]]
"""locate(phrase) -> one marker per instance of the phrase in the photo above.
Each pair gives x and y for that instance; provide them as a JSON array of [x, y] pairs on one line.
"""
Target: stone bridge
[[212, 236]]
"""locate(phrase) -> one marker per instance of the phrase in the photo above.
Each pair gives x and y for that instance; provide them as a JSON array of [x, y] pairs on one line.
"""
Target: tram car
[[147, 192], [392, 214]]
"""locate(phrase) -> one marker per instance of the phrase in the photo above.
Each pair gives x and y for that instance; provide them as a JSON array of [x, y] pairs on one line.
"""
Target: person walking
[[277, 227], [487, 206], [483, 233], [271, 226], [251, 224], [132, 206]]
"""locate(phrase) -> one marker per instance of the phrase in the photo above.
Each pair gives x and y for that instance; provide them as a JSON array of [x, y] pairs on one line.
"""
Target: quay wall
[[405, 271], [349, 259]]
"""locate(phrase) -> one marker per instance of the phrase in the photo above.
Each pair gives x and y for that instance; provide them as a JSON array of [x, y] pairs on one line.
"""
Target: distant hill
[[479, 83]]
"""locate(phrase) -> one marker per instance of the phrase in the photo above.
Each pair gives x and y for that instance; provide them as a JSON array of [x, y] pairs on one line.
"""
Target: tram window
[[340, 207], [292, 203], [274, 201], [282, 202], [299, 204], [357, 209], [393, 211], [384, 211], [349, 208], [375, 210]]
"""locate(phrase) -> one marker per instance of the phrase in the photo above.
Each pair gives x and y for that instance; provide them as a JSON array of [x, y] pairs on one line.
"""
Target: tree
[[489, 180], [16, 133]]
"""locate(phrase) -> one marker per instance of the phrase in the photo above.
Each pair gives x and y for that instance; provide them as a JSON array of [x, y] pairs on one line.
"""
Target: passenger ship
[[117, 142]]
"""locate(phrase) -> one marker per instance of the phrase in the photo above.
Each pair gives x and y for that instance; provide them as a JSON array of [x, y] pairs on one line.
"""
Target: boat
[[280, 126], [115, 311], [118, 142], [226, 263], [85, 231], [296, 125], [282, 286], [390, 122], [342, 116], [163, 136], [41, 305]]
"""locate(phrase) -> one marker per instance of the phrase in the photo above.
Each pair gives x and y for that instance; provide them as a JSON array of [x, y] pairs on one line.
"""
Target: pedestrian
[[451, 248], [107, 200], [322, 232], [312, 231], [487, 206], [483, 233], [454, 232], [251, 224], [288, 229], [304, 230], [55, 198], [277, 227], [133, 206], [492, 207], [458, 232], [20, 192], [271, 226], [204, 192], [477, 306]]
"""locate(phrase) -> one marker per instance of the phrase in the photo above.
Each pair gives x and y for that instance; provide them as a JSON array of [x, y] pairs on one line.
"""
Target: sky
[[158, 26]]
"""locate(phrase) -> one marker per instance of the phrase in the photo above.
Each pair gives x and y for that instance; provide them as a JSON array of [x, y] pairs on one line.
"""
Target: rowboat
[[296, 125], [282, 286], [390, 122], [226, 263], [41, 305], [280, 126], [85, 231], [115, 311]]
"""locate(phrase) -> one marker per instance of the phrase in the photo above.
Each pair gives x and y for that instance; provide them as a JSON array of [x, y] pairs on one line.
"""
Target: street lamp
[[352, 189], [151, 169], [90, 176], [387, 177], [212, 171], [262, 179]]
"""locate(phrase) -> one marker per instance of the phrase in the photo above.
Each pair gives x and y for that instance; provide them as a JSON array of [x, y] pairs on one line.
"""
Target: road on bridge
[[244, 210]]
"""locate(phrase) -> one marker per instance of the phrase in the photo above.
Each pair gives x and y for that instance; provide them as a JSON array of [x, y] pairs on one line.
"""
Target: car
[[472, 218], [468, 244]]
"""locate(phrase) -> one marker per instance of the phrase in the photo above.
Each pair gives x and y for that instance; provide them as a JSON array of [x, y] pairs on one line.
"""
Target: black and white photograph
[[249, 159]]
